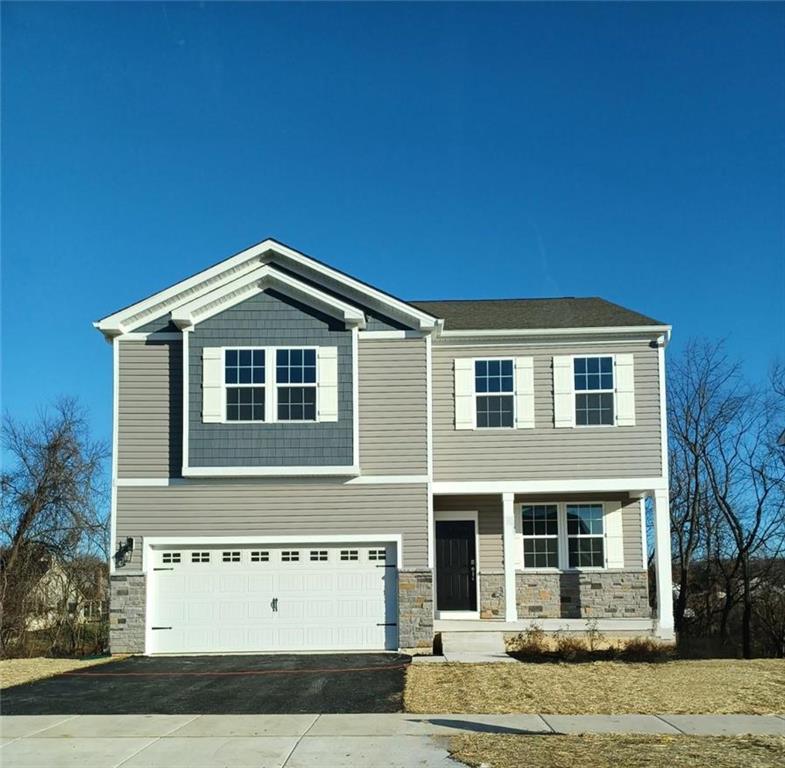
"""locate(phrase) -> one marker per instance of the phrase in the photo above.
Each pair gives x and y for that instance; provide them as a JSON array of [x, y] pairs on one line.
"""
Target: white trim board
[[593, 485], [162, 302], [582, 331], [309, 471]]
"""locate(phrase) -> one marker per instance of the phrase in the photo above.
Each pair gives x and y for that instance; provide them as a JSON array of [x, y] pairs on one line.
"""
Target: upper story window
[[295, 374], [540, 526], [494, 393], [244, 375], [585, 536], [594, 391]]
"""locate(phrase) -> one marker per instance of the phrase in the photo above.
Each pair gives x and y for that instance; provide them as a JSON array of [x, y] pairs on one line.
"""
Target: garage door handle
[[163, 569], [274, 605], [389, 624], [161, 627], [386, 566]]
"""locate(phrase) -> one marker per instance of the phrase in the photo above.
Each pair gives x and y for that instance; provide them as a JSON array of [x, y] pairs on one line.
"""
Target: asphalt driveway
[[216, 685]]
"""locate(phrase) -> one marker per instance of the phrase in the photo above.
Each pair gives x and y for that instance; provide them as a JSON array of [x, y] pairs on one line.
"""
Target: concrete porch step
[[481, 643]]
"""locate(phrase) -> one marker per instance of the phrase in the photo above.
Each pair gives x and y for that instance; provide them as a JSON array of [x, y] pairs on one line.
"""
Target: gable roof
[[217, 276], [535, 314]]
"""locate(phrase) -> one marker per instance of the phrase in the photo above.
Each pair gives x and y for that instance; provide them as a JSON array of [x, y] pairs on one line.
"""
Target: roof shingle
[[526, 314]]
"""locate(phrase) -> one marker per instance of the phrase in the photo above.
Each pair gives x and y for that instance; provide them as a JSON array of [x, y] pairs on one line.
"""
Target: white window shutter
[[625, 391], [524, 392], [212, 385], [614, 535], [464, 393], [563, 392], [327, 374]]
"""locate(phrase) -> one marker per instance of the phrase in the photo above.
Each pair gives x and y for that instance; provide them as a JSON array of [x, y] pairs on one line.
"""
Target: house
[[305, 462]]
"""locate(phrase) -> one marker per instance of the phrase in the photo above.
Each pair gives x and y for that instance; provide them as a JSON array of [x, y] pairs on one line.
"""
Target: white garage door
[[273, 598]]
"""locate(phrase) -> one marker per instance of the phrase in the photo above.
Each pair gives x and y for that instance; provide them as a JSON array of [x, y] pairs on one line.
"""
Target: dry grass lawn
[[496, 751], [18, 671], [718, 686]]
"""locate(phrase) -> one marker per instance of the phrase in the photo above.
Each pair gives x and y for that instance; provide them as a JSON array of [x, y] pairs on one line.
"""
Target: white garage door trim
[[153, 545]]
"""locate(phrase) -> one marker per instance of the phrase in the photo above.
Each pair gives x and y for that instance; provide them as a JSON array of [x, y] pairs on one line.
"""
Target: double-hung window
[[594, 391], [295, 376], [585, 536], [540, 526], [244, 375], [494, 393]]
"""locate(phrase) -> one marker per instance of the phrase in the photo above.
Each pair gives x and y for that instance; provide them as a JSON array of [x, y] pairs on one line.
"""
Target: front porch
[[566, 562]]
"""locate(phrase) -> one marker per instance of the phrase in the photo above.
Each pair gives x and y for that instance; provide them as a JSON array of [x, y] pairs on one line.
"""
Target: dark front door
[[456, 566]]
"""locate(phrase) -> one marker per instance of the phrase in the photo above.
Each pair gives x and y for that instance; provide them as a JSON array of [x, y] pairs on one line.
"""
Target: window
[[200, 557], [540, 526], [290, 556], [258, 556], [377, 554], [295, 375], [594, 404], [318, 555], [171, 557], [244, 376], [493, 387], [585, 541], [349, 554], [231, 557]]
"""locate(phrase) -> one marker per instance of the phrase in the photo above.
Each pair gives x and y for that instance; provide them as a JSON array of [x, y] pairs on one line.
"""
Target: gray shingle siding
[[270, 319]]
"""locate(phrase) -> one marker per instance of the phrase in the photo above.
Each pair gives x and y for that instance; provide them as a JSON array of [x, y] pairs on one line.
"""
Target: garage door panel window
[[350, 555], [377, 554], [170, 558], [200, 557], [319, 555], [259, 556], [231, 557], [290, 556]]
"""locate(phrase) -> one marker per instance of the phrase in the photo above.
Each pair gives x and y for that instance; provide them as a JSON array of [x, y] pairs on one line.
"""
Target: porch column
[[662, 559], [508, 537]]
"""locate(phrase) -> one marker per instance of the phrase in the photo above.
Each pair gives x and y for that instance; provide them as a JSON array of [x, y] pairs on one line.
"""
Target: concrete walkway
[[306, 741]]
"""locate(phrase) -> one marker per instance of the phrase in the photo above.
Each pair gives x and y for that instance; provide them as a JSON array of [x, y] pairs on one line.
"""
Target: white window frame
[[477, 394], [576, 392], [270, 385], [563, 535], [252, 385], [602, 536], [315, 384], [525, 536]]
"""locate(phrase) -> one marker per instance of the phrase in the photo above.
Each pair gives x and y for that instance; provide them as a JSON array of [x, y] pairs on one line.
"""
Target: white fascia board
[[591, 485], [309, 471], [251, 258], [260, 279], [623, 330]]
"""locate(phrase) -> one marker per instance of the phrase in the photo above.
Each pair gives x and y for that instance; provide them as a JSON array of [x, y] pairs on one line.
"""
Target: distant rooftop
[[503, 314]]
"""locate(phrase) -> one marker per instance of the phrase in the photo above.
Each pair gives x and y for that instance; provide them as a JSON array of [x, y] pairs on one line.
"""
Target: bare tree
[[53, 506]]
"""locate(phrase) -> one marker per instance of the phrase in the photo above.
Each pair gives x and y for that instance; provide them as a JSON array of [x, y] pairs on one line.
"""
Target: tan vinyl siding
[[489, 524], [149, 409], [634, 557], [277, 508], [393, 434], [546, 453]]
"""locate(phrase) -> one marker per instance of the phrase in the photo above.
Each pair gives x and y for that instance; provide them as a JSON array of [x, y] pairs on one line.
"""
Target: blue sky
[[634, 151]]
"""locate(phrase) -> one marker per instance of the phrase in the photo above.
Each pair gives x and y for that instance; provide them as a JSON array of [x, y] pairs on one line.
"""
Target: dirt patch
[[18, 671], [676, 687], [611, 751]]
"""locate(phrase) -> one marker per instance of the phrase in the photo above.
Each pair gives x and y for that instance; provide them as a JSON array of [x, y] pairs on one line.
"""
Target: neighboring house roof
[[524, 314]]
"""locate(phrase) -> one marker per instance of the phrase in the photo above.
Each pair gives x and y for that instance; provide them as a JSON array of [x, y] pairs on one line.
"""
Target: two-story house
[[302, 461]]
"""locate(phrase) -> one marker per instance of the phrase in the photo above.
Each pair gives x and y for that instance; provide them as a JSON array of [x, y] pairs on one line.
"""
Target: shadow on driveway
[[280, 684]]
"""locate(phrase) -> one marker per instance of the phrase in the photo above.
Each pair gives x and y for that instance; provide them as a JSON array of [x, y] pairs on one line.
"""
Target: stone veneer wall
[[583, 595], [127, 614], [492, 594], [415, 609]]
